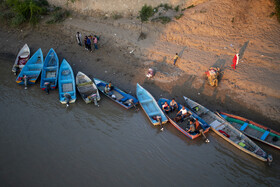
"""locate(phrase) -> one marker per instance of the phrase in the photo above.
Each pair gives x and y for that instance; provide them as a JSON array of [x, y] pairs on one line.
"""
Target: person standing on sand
[[175, 58], [79, 38], [85, 42], [89, 44], [235, 61], [95, 42]]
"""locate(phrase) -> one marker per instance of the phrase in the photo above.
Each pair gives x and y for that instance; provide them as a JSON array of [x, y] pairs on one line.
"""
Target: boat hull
[[50, 70], [182, 126], [66, 83], [117, 95], [150, 106], [32, 69], [254, 130], [226, 131], [86, 87]]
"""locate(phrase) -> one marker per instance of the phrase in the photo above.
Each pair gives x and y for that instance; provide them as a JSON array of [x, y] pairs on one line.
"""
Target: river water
[[44, 144]]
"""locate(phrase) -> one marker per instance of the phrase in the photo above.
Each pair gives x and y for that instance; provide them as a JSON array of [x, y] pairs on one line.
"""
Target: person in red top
[[165, 107], [235, 61]]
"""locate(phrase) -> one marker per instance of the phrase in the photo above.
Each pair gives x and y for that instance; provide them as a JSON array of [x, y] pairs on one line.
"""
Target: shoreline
[[113, 62]]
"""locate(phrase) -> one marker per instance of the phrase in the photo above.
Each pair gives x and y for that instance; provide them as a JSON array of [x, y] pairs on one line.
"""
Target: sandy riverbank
[[203, 38]]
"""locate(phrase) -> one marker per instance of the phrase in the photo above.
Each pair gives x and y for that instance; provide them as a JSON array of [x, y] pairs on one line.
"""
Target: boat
[[254, 130], [150, 106], [32, 69], [225, 130], [117, 95], [183, 126], [66, 84], [87, 88], [21, 60], [50, 71]]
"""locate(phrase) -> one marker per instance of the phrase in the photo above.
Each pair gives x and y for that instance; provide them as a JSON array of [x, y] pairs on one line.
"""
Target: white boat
[[21, 60]]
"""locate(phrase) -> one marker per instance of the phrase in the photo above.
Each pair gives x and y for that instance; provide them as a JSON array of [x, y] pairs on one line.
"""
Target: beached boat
[[21, 60], [50, 71], [117, 95], [254, 130], [87, 88], [66, 84], [184, 125], [32, 69], [225, 130], [150, 106]]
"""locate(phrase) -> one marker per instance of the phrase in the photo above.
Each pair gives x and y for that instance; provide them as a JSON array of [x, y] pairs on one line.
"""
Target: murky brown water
[[44, 144]]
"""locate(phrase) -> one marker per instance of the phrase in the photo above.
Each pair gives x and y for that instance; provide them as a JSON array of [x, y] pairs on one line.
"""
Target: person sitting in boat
[[111, 87], [183, 113], [165, 107], [173, 105], [192, 128], [107, 89], [150, 73]]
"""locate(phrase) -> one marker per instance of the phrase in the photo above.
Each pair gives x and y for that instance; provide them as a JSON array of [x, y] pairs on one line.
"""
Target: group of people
[[182, 114], [88, 40], [109, 87]]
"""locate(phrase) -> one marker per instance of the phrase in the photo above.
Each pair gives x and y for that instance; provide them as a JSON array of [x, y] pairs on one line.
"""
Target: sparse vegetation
[[177, 8], [17, 12], [145, 13], [190, 6], [179, 16], [58, 15], [116, 16], [162, 19]]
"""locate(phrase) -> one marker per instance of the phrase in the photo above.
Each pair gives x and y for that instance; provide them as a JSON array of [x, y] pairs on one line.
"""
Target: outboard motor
[[15, 70], [48, 87], [93, 98], [269, 159], [68, 98], [25, 80]]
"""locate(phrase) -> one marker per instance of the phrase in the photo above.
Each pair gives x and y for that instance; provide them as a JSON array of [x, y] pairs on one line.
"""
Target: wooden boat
[[21, 60], [66, 84], [254, 130], [117, 95], [150, 106], [225, 130], [50, 71], [87, 88], [184, 126], [32, 69]]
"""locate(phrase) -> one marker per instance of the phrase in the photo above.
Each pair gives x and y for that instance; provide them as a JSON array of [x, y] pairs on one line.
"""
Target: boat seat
[[49, 79], [146, 101], [51, 68], [65, 81], [123, 99], [265, 134], [153, 113], [215, 124], [244, 126]]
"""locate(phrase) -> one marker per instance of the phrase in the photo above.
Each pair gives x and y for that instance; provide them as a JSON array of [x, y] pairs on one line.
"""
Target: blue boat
[[32, 69], [117, 95], [150, 106], [66, 84], [183, 125], [50, 71]]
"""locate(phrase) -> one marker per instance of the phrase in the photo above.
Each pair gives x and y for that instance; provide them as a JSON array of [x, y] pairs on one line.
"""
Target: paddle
[[160, 122], [25, 79], [206, 139]]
